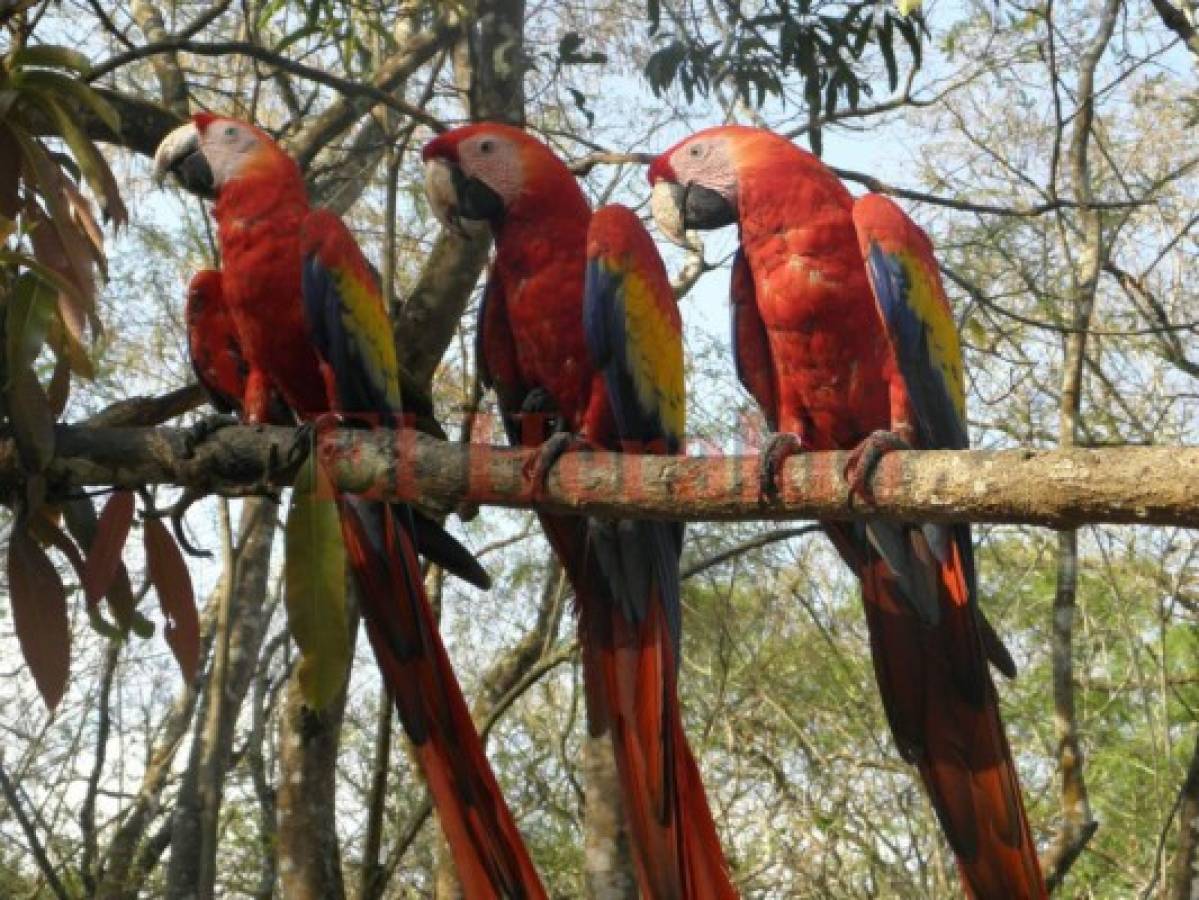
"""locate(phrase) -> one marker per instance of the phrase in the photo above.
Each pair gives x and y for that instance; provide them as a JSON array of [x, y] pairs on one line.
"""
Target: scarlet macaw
[[311, 325], [843, 335], [578, 320], [215, 349]]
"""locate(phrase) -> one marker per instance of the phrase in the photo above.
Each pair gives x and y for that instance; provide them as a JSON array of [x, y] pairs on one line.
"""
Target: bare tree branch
[[9, 791], [1053, 488], [345, 86]]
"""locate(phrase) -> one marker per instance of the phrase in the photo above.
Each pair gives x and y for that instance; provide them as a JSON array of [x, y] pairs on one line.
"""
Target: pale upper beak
[[666, 205], [439, 188], [443, 183], [181, 154], [176, 146]]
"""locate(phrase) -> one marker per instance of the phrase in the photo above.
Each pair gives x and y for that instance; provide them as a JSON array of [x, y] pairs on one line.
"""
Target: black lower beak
[[475, 199], [195, 175], [705, 209]]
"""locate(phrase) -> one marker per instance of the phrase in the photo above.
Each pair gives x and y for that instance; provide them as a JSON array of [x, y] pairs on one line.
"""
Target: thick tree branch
[[1053, 488], [142, 123]]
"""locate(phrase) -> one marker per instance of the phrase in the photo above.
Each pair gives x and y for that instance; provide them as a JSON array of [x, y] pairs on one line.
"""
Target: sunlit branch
[[1054, 488]]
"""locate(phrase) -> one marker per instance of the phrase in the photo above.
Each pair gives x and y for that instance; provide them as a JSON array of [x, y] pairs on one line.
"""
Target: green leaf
[[886, 40], [74, 246], [268, 11], [911, 29], [315, 586], [26, 321], [91, 162], [298, 35], [69, 89], [14, 258], [50, 56], [32, 419]]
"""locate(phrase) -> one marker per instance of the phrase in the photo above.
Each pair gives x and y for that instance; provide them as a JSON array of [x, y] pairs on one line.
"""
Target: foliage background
[[1047, 147]]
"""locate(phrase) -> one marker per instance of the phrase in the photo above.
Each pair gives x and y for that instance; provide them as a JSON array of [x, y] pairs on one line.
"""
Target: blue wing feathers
[[937, 422], [630, 553], [357, 390], [604, 320]]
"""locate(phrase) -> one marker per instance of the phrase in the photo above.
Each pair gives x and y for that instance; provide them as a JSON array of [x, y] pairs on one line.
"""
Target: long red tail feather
[[957, 743], [488, 851], [629, 670]]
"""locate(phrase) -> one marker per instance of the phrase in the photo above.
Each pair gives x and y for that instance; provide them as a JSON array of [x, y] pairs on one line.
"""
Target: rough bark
[[371, 874], [309, 853], [1078, 823], [167, 70], [241, 626], [608, 860], [1054, 488], [130, 854], [1184, 877]]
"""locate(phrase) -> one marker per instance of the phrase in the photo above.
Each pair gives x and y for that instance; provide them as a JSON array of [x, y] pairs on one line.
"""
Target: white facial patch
[[706, 162], [226, 145], [495, 162]]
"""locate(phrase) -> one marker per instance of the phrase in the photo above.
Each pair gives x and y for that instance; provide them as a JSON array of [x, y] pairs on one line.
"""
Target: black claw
[[864, 459], [204, 428], [778, 447], [539, 409], [538, 400], [301, 444], [551, 452]]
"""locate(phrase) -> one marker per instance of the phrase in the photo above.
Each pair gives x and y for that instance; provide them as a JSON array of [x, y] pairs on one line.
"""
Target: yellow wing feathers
[[654, 352], [366, 321]]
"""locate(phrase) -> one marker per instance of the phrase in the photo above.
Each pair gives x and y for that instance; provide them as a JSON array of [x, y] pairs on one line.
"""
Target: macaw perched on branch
[[215, 349], [311, 325], [579, 323], [843, 335]]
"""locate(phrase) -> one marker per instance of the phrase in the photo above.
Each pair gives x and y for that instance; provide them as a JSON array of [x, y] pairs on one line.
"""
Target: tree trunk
[[1184, 877], [309, 853], [608, 861], [241, 627]]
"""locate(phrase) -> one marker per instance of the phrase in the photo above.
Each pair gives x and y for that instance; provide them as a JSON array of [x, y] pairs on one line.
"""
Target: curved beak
[[666, 206], [681, 208], [460, 203], [179, 154]]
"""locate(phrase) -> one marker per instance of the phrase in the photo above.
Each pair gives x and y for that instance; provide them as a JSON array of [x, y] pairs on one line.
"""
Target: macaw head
[[210, 152], [698, 182], [205, 288], [491, 172]]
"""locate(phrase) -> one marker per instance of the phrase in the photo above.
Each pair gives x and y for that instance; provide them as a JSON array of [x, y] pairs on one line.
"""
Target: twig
[[39, 852]]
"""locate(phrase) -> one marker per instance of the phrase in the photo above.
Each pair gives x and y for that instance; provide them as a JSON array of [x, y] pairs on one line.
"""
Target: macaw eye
[[696, 151], [231, 132], [486, 146]]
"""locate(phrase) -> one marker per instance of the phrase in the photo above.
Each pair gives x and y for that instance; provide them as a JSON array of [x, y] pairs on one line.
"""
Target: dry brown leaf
[[169, 575], [104, 554], [39, 611]]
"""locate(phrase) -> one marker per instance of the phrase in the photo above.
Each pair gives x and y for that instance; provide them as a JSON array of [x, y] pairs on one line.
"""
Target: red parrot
[[215, 349], [579, 322], [843, 335], [311, 325]]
